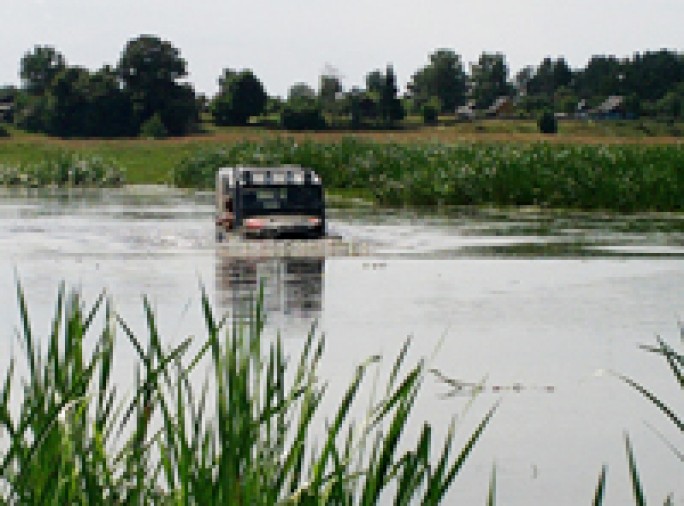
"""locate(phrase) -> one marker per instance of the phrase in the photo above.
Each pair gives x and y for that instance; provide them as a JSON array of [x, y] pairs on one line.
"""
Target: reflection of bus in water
[[291, 286], [269, 202]]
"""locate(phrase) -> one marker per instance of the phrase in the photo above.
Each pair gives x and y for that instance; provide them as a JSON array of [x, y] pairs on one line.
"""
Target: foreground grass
[[247, 436]]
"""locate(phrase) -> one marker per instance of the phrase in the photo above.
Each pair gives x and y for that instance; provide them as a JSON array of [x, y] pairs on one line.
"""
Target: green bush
[[4, 132], [302, 115], [547, 122], [154, 128], [430, 112]]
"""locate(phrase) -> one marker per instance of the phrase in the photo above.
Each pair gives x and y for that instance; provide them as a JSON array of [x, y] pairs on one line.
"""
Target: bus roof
[[279, 175]]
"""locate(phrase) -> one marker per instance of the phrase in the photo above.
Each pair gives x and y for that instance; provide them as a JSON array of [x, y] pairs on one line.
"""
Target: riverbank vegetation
[[63, 169], [252, 433], [623, 178], [421, 168]]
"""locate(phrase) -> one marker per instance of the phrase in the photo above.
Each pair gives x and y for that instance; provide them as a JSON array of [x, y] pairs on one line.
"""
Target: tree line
[[144, 93]]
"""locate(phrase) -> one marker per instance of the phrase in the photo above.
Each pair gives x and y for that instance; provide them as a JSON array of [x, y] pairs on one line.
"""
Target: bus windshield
[[288, 199]]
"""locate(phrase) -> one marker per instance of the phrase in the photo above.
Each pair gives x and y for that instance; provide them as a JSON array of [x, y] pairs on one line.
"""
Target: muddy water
[[538, 306]]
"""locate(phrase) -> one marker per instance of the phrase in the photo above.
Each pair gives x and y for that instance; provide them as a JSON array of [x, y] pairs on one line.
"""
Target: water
[[541, 306]]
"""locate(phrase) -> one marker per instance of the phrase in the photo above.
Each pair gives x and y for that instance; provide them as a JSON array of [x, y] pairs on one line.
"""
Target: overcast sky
[[288, 41]]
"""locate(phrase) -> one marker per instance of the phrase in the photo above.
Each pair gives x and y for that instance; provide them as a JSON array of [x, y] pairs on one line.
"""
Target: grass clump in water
[[63, 169], [248, 436]]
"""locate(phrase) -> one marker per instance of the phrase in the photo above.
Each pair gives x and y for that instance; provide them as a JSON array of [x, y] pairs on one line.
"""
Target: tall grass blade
[[491, 495], [600, 491], [637, 489], [655, 400]]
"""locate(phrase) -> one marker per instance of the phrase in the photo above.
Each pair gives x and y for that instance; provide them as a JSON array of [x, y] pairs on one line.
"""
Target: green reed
[[251, 434], [674, 360], [613, 177]]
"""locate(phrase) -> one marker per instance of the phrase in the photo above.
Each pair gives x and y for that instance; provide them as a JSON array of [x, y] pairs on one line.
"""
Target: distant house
[[467, 111], [6, 109], [612, 108], [503, 107], [583, 109]]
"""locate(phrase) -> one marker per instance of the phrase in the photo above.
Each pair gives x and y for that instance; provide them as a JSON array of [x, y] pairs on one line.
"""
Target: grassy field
[[152, 161], [588, 165]]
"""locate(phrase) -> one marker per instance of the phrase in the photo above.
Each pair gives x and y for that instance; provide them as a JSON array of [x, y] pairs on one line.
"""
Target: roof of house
[[498, 104], [611, 104]]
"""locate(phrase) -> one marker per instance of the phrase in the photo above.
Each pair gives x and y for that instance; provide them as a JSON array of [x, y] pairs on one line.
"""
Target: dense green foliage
[[149, 69], [68, 101], [302, 114], [390, 109], [443, 79], [247, 436], [547, 122], [241, 96], [71, 101], [63, 169], [625, 178], [430, 112], [490, 79], [154, 128]]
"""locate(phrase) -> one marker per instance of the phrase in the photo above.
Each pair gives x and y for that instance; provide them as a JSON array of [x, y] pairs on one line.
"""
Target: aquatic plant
[[675, 362], [619, 177], [249, 435], [63, 169]]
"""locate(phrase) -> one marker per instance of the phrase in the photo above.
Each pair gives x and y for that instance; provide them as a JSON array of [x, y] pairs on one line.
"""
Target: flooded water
[[541, 306]]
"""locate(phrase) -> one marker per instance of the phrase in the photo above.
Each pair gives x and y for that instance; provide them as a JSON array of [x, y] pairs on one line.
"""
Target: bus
[[269, 202]]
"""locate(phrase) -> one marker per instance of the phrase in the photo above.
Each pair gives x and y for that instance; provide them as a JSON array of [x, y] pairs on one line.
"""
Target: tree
[[389, 106], [149, 68], [242, 95], [330, 88], [430, 111], [671, 105], [374, 81], [562, 74], [302, 113], [490, 79], [522, 80], [443, 78], [360, 105], [652, 75], [109, 109], [549, 77], [300, 90], [68, 102], [547, 123], [603, 76], [38, 68], [565, 100]]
